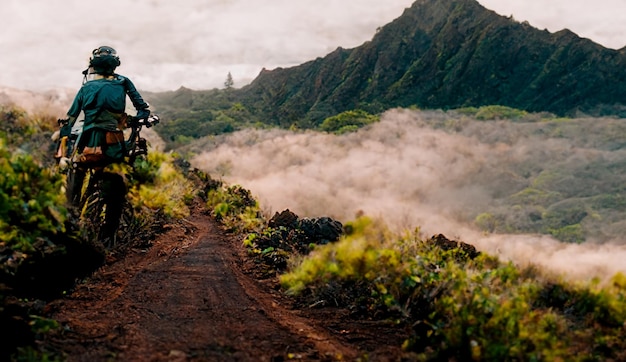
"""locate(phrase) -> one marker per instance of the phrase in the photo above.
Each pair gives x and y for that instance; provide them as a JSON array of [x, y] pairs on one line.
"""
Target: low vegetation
[[347, 121], [454, 302], [235, 207], [157, 184], [457, 306], [190, 115], [42, 249]]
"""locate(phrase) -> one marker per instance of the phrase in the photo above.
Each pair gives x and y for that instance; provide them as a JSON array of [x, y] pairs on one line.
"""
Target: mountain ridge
[[439, 54], [447, 61]]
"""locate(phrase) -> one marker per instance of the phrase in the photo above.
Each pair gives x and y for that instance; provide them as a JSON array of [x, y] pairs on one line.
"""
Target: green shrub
[[146, 170], [487, 113], [569, 234], [355, 257], [468, 111], [460, 308], [347, 121], [30, 201], [488, 314], [235, 207], [492, 112], [534, 196], [487, 222], [160, 186]]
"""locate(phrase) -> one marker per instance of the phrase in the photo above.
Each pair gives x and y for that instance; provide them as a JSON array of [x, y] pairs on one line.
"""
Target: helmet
[[104, 60]]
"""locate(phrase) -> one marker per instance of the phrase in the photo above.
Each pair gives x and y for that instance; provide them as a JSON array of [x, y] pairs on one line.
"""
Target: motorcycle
[[96, 195]]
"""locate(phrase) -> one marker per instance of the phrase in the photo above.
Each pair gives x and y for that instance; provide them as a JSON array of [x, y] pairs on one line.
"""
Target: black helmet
[[104, 60]]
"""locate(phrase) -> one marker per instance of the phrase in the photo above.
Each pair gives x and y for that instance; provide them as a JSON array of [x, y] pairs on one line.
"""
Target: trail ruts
[[186, 299]]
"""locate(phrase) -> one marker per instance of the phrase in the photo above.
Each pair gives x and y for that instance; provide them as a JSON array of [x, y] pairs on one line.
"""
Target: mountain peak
[[446, 54]]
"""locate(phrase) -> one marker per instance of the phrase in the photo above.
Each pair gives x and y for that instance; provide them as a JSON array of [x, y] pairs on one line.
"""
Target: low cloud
[[414, 169]]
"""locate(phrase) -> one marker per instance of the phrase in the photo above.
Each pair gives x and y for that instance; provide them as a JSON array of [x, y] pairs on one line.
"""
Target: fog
[[195, 43], [411, 175]]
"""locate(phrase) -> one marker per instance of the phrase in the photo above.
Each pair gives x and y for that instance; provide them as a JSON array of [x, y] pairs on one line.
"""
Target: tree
[[228, 84]]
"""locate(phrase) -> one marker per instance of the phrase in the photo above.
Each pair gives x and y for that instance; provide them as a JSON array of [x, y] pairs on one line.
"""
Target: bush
[[348, 121], [493, 112], [460, 307], [30, 202], [26, 134], [160, 186], [235, 207], [487, 222], [487, 113]]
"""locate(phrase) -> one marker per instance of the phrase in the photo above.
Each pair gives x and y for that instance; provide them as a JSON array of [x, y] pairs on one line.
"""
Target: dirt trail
[[187, 298]]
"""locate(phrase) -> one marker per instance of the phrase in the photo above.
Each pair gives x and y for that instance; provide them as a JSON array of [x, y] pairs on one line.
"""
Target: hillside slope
[[449, 54], [438, 54]]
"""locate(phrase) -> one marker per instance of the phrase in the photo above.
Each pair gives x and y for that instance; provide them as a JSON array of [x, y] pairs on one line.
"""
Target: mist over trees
[[498, 169], [446, 54]]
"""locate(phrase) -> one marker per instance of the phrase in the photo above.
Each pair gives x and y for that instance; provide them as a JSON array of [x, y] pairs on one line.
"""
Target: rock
[[286, 218], [322, 230], [446, 244]]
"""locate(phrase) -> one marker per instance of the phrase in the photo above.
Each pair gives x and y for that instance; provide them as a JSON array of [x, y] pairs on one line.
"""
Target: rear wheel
[[92, 214], [74, 186], [101, 207]]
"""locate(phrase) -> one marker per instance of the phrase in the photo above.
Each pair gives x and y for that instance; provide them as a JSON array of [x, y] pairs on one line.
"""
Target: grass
[[458, 306]]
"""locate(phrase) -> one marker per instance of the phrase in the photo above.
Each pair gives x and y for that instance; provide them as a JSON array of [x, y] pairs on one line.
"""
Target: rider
[[102, 99]]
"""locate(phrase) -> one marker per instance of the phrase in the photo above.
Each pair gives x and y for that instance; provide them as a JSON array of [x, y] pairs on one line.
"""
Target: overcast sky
[[195, 43]]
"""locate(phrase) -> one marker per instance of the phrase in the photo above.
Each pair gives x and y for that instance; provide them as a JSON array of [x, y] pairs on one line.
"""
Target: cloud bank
[[411, 174]]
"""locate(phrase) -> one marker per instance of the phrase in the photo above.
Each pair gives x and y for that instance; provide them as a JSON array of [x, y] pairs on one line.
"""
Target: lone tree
[[228, 84]]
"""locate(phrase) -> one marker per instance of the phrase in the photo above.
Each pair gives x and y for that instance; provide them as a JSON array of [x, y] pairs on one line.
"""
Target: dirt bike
[[97, 196]]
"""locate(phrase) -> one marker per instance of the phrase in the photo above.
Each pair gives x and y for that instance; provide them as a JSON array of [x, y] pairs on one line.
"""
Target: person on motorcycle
[[102, 100]]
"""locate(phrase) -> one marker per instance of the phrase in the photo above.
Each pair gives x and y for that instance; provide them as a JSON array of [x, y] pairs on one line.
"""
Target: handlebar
[[148, 122], [135, 145]]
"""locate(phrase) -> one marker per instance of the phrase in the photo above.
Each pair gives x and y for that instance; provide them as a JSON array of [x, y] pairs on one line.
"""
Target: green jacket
[[104, 101]]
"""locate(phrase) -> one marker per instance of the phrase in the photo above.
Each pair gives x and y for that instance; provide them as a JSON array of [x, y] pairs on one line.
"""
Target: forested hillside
[[442, 54]]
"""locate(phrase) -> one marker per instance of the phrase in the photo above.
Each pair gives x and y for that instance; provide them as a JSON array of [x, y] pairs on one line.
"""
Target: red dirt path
[[192, 297]]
